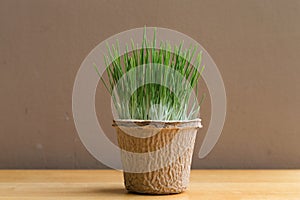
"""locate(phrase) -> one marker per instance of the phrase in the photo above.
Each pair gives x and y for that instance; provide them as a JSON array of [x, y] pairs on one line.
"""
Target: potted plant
[[154, 93]]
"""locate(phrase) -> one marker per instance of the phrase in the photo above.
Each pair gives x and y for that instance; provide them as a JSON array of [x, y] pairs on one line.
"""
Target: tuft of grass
[[151, 83]]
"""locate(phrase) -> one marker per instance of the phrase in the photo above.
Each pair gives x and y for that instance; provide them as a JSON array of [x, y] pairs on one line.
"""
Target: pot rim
[[160, 123]]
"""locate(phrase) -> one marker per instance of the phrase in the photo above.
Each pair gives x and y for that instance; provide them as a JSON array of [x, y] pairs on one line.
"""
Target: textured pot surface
[[165, 153]]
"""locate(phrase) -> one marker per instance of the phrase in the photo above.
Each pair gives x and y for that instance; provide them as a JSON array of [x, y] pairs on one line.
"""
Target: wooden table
[[108, 184]]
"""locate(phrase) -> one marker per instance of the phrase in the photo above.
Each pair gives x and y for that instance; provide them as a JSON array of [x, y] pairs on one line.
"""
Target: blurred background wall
[[255, 44]]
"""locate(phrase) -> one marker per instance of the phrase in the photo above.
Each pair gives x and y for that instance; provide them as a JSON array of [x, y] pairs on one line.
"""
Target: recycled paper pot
[[156, 155]]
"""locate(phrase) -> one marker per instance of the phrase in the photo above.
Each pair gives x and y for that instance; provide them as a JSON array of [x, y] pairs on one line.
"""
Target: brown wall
[[255, 43]]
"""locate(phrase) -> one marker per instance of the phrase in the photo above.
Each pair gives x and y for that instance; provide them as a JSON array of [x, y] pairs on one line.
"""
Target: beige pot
[[156, 155]]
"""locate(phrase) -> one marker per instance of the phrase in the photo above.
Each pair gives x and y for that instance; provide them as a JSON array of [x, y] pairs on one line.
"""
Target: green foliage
[[156, 68]]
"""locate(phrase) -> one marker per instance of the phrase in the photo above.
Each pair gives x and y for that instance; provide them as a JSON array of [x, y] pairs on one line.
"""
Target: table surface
[[108, 184]]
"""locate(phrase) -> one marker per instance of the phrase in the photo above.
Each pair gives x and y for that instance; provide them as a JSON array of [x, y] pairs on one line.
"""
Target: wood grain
[[108, 184]]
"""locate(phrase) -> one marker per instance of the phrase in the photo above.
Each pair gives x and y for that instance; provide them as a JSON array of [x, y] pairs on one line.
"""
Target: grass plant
[[168, 78]]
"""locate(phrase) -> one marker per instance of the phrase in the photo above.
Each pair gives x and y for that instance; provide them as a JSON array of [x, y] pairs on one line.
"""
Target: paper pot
[[156, 155]]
